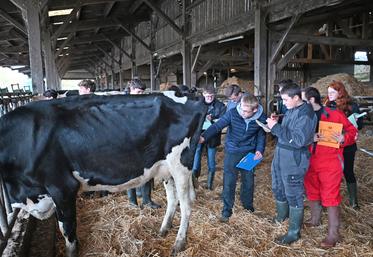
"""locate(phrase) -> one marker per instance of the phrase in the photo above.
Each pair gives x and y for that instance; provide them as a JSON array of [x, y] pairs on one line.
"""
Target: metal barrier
[[8, 216], [11, 100]]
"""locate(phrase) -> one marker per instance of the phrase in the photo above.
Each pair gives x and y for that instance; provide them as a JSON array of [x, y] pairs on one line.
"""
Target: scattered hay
[[109, 227], [353, 86], [246, 85]]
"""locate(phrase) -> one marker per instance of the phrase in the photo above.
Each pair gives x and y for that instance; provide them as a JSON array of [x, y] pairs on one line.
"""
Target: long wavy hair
[[343, 102]]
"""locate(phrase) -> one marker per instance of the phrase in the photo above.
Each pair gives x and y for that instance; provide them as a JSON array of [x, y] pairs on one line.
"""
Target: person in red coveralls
[[339, 99], [324, 176]]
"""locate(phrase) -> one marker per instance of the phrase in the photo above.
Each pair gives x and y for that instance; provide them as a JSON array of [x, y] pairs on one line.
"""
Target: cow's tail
[[192, 192], [4, 195]]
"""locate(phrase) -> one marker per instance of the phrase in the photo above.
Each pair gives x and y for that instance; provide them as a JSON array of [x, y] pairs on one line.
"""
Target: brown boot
[[333, 228], [316, 209]]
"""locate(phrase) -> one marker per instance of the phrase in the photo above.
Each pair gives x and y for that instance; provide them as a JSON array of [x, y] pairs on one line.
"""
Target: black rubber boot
[[295, 224], [131, 193], [282, 209], [333, 228], [210, 180], [316, 209], [352, 195], [146, 196]]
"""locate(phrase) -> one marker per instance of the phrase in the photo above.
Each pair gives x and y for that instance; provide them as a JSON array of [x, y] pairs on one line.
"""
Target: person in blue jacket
[[244, 135]]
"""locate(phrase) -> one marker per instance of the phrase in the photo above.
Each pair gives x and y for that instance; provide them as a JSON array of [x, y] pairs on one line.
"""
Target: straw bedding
[[246, 85], [108, 226], [352, 85]]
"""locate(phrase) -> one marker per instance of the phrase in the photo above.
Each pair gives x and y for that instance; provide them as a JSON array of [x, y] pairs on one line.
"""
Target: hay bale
[[246, 85], [352, 85]]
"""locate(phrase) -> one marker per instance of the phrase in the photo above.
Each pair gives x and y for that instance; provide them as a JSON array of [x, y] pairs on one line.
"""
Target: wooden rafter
[[160, 13]]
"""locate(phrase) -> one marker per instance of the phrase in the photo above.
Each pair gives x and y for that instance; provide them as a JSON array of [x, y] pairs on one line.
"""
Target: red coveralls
[[324, 176]]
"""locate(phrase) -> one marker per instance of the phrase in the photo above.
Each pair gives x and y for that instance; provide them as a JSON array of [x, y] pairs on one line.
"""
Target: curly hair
[[343, 102]]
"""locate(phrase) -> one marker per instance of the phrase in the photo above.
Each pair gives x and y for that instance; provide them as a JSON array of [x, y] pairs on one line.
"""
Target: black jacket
[[216, 109]]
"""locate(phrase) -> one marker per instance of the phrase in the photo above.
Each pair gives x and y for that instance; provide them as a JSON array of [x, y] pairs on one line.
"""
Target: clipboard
[[248, 163], [353, 117], [263, 126], [327, 129]]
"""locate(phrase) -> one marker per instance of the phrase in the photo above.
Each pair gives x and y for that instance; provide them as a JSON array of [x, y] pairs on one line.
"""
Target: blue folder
[[248, 163]]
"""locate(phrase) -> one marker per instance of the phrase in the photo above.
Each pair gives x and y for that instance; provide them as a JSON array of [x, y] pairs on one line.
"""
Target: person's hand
[[340, 138], [201, 140], [258, 155], [209, 117], [271, 122], [274, 116]]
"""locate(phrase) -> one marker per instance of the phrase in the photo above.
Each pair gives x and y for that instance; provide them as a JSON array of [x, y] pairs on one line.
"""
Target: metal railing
[[8, 216], [11, 100]]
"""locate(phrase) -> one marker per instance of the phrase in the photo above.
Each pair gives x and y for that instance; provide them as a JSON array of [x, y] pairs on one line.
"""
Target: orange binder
[[327, 129]]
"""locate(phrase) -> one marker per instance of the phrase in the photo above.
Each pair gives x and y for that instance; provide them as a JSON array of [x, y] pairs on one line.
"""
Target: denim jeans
[[211, 152], [230, 181]]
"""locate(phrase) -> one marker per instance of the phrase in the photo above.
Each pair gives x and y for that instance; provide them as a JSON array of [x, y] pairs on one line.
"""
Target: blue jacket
[[244, 135]]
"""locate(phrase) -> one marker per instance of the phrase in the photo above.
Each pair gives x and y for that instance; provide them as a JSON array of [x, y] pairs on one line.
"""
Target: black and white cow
[[50, 149]]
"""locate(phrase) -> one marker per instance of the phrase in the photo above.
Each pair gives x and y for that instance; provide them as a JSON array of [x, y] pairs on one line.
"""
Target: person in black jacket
[[216, 109]]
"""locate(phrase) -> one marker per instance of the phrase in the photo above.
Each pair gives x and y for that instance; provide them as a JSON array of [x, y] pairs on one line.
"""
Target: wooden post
[[50, 65], [260, 52], [112, 78], [34, 42], [133, 60], [153, 20], [271, 74], [186, 46]]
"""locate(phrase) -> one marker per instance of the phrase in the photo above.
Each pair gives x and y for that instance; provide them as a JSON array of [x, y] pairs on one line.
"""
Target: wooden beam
[[117, 46], [279, 10], [319, 61], [309, 51], [160, 13], [325, 51], [343, 24], [136, 4], [66, 23], [186, 47], [12, 21], [90, 25], [195, 4], [108, 55], [64, 44], [290, 54], [14, 33], [196, 58], [107, 10], [282, 40], [260, 52], [34, 42], [129, 31], [14, 50], [302, 38], [204, 68]]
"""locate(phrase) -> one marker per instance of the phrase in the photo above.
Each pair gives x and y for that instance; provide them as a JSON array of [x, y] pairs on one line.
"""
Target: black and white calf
[[50, 149]]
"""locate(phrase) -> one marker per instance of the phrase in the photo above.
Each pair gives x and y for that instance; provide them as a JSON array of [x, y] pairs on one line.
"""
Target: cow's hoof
[[72, 250], [163, 232], [178, 247]]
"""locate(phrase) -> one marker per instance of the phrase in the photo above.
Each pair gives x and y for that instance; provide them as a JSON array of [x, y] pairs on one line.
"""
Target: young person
[[291, 159], [234, 94], [137, 87], [338, 98], [86, 87], [324, 176], [215, 110], [244, 135]]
